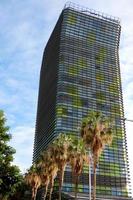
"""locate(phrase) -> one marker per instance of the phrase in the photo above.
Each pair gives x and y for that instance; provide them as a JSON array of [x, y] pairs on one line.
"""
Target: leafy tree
[[22, 192], [10, 177], [96, 131]]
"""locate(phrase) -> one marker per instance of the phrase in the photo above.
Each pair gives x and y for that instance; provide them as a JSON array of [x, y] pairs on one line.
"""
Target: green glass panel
[[91, 38], [61, 111], [100, 95], [80, 188], [113, 90], [100, 77], [72, 90], [77, 102], [100, 58], [85, 169], [73, 70], [82, 64], [72, 19], [114, 143], [100, 101]]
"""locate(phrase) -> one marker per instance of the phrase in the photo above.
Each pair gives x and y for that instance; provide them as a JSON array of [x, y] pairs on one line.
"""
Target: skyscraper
[[81, 72]]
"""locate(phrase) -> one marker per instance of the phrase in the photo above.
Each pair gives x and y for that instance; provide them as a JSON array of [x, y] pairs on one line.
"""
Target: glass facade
[[80, 72]]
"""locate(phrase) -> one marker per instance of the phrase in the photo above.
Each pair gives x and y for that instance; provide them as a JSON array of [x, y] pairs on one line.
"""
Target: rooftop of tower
[[92, 12]]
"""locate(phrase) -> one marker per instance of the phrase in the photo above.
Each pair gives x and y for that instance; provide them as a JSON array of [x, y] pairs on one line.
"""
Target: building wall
[[89, 79], [80, 72], [46, 120]]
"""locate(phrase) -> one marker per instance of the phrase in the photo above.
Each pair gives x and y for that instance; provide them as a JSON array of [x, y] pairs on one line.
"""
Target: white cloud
[[22, 141]]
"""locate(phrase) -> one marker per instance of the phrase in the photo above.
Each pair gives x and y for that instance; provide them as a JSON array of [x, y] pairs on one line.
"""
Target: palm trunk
[[33, 194], [94, 184], [61, 179], [89, 176], [76, 186], [51, 188], [45, 193]]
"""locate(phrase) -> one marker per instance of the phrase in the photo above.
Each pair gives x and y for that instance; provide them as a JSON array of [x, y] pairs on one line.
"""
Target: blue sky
[[25, 28]]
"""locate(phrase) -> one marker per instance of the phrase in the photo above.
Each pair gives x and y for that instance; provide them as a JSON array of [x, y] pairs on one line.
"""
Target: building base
[[84, 196]]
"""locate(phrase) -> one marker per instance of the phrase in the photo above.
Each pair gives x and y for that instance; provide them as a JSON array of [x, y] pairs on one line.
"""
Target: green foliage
[[22, 192], [62, 140], [4, 137], [10, 177], [97, 125], [77, 146]]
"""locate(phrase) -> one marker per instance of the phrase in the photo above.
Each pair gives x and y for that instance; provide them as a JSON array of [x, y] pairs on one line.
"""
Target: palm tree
[[59, 148], [96, 131], [45, 182], [48, 171], [32, 178], [77, 158], [53, 169], [42, 165]]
